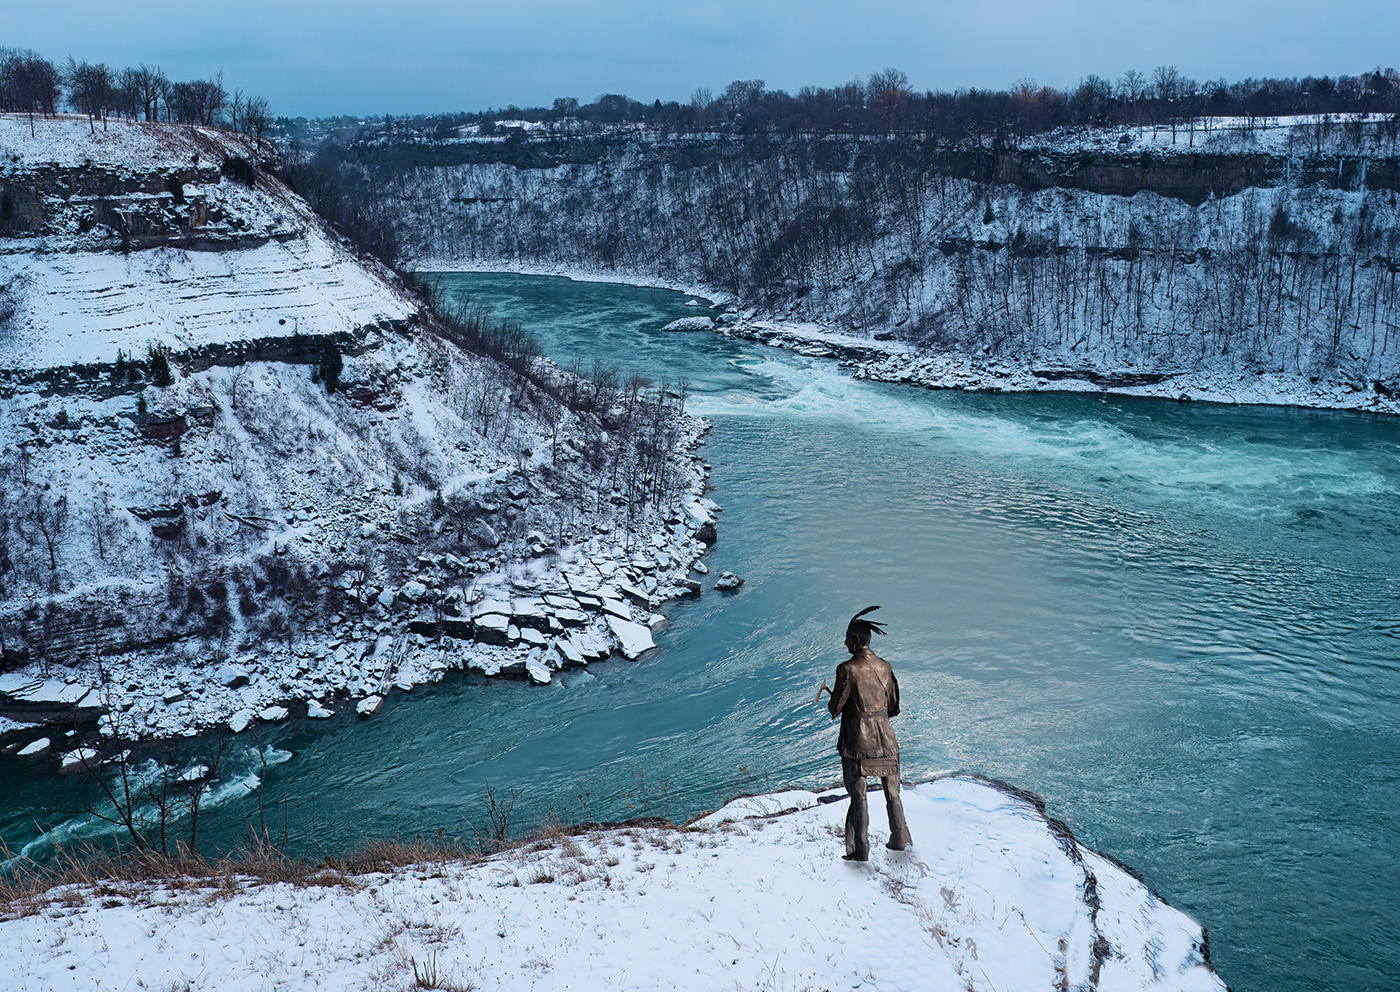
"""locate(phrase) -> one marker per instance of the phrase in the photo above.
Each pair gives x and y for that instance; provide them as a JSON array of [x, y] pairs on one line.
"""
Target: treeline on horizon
[[32, 84], [887, 103]]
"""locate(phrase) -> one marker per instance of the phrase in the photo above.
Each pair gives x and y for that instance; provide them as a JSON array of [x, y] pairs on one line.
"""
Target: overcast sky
[[316, 57]]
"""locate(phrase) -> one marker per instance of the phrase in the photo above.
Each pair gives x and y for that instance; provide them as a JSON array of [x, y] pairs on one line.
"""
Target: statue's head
[[858, 631]]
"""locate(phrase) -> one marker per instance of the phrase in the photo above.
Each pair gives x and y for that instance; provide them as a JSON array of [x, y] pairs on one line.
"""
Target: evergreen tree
[[160, 367], [329, 365]]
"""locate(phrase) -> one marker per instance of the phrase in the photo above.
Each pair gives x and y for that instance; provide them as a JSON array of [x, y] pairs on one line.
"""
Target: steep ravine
[[1167, 259]]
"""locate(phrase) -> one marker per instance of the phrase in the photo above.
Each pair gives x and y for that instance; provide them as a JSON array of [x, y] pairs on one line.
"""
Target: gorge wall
[[1276, 254]]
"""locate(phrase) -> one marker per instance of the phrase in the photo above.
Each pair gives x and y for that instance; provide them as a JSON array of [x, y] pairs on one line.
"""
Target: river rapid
[[1176, 622]]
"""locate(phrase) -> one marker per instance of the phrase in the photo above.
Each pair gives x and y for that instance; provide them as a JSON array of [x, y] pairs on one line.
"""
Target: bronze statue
[[866, 696]]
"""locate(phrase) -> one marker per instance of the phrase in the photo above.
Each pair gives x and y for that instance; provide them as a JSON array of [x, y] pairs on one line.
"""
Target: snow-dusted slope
[[991, 896], [129, 147], [132, 238], [84, 307]]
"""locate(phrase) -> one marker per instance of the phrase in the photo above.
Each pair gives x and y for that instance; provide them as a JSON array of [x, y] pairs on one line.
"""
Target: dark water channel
[[1177, 623]]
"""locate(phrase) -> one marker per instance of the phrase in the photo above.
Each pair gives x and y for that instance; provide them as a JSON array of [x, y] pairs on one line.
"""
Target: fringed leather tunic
[[867, 695]]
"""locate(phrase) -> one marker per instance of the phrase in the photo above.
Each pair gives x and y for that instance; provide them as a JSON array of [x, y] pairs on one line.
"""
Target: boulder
[[369, 706], [701, 523], [530, 613], [231, 676], [316, 711], [617, 608], [569, 651], [240, 721], [491, 606], [75, 760], [492, 628], [273, 714], [728, 581], [40, 700], [691, 324], [632, 638], [571, 618], [593, 645], [638, 596]]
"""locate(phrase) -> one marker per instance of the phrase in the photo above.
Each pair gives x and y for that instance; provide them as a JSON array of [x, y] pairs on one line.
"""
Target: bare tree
[[235, 109], [236, 379], [100, 524], [29, 83], [257, 117], [886, 94], [91, 89], [48, 516], [741, 95], [1131, 86], [146, 86]]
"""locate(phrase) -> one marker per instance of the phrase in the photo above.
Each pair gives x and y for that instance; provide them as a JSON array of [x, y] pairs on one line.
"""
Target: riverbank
[[528, 608], [899, 362], [992, 895]]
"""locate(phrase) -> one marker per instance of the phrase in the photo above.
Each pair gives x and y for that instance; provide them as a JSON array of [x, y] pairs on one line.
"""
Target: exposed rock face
[[1235, 249]]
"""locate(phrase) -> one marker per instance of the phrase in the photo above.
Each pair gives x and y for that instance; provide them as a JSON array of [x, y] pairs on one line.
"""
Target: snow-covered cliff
[[1274, 252], [242, 470], [991, 896]]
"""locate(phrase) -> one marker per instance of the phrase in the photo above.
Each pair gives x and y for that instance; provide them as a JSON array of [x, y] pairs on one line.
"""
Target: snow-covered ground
[[991, 897], [85, 306], [241, 262], [900, 362], [322, 498], [66, 141], [1281, 135], [1224, 383]]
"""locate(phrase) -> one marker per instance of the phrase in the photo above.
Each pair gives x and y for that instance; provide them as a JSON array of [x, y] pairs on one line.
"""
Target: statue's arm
[[892, 706], [838, 694]]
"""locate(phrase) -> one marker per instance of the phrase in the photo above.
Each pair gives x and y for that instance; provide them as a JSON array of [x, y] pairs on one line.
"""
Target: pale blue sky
[[316, 57]]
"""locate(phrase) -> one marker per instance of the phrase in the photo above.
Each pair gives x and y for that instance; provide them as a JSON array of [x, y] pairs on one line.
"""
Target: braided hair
[[858, 631]]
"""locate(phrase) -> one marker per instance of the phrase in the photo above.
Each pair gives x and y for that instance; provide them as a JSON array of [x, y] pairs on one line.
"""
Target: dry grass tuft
[[86, 872]]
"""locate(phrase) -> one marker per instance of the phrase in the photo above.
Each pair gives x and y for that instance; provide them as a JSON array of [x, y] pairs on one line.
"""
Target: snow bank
[[134, 146], [990, 897]]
